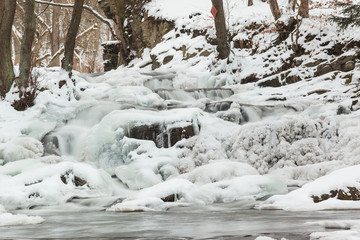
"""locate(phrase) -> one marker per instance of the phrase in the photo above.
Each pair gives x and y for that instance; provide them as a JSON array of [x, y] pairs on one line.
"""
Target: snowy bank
[[8, 219], [337, 190]]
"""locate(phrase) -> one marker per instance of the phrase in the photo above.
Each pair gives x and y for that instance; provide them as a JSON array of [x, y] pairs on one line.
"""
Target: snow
[[8, 219], [267, 238], [263, 148], [150, 199], [32, 182], [301, 199], [21, 148], [216, 171], [343, 229]]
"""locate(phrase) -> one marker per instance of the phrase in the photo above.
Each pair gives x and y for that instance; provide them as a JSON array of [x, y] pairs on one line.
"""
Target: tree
[[7, 13], [292, 4], [55, 34], [221, 32], [304, 9], [26, 44], [53, 19], [274, 7], [351, 16], [124, 56], [67, 61]]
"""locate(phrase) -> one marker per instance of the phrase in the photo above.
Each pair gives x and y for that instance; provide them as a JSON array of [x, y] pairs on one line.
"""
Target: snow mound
[[180, 192], [31, 182], [303, 199], [21, 148], [8, 219], [217, 171], [266, 238]]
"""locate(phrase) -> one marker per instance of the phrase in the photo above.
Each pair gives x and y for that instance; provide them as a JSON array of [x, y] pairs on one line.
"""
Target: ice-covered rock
[[202, 149], [289, 142], [162, 135], [34, 183], [104, 138], [21, 148]]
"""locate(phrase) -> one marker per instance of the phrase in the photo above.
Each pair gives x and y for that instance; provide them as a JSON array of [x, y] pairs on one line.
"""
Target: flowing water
[[222, 221]]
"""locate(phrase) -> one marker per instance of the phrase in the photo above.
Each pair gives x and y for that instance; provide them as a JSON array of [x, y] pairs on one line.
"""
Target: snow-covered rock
[[309, 196]]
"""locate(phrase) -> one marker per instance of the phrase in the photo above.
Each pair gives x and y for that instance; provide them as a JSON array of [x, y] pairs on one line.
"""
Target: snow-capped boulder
[[337, 190], [21, 148]]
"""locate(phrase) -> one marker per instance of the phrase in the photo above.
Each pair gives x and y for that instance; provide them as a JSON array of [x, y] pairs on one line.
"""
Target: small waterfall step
[[214, 107], [215, 94], [159, 80]]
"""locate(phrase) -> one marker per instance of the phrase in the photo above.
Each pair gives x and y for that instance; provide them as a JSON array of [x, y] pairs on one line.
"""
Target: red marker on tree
[[214, 11]]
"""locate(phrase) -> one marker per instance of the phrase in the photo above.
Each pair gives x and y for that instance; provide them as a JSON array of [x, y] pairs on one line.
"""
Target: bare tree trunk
[[221, 32], [26, 44], [124, 54], [67, 61], [7, 13], [292, 4], [274, 7], [304, 8], [55, 34], [16, 50], [250, 2]]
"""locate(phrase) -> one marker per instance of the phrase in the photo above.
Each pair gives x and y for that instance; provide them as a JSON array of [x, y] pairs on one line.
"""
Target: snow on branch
[[61, 50], [108, 22], [17, 34]]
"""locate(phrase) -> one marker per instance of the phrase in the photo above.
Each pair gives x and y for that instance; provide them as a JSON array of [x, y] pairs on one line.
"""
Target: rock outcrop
[[136, 29], [161, 135], [111, 55], [69, 177], [351, 193]]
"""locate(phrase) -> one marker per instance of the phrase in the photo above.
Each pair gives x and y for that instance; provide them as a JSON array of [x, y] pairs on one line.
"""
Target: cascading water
[[67, 139]]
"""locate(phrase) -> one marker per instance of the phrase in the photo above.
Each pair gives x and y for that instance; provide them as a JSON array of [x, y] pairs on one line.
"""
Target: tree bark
[[7, 8], [124, 54], [26, 44], [292, 4], [67, 61], [221, 32], [250, 2], [55, 34], [274, 7], [304, 9]]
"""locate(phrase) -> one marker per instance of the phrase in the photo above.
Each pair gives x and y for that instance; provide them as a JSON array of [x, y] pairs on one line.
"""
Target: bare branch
[[61, 50], [39, 59], [88, 8]]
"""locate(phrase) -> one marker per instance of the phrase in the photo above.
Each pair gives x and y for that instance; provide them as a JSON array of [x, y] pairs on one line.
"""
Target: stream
[[219, 221]]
